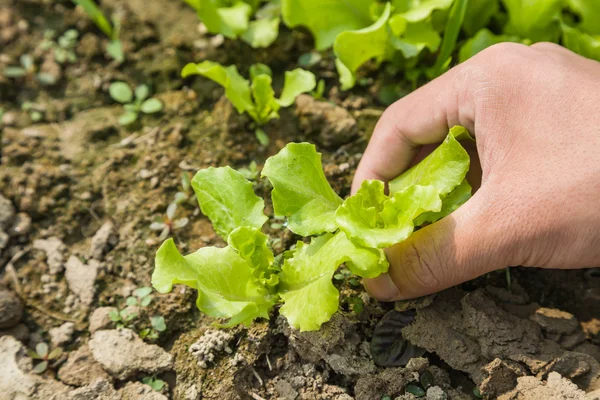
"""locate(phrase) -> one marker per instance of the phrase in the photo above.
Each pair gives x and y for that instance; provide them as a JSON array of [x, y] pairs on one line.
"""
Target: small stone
[[436, 393], [140, 391], [62, 335], [100, 319], [11, 309], [500, 379], [104, 239], [100, 389], [555, 321], [81, 278], [54, 249], [285, 390], [122, 353], [7, 213], [19, 332], [81, 369]]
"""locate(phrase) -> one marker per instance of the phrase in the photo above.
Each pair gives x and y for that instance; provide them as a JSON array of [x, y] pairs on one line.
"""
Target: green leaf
[[54, 354], [445, 168], [301, 191], [128, 118], [482, 40], [219, 17], [354, 48], [264, 99], [131, 301], [309, 296], [296, 82], [42, 349], [151, 106], [14, 72], [479, 14], [589, 12], [325, 19], [121, 92], [142, 92], [158, 323], [145, 301], [537, 20], [372, 219], [414, 11], [237, 89], [40, 368], [262, 138], [261, 33], [114, 48], [412, 37], [33, 354], [228, 200], [450, 203], [259, 69], [114, 316], [92, 10], [142, 292], [158, 384], [581, 43], [251, 244], [224, 280], [451, 31]]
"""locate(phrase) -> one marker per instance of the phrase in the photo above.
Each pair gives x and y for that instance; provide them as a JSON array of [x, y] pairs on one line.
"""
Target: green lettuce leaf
[[265, 107], [589, 12], [251, 244], [237, 89], [372, 219], [414, 11], [261, 32], [451, 31], [537, 20], [224, 281], [325, 19], [412, 37], [301, 191], [296, 82], [219, 17], [580, 42], [228, 200], [482, 40], [354, 48], [450, 203], [309, 296], [444, 169], [478, 15]]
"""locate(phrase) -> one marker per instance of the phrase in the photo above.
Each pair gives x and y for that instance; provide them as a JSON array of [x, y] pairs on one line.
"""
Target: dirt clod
[[100, 319], [54, 249], [11, 309], [555, 321], [81, 279], [62, 335], [81, 369]]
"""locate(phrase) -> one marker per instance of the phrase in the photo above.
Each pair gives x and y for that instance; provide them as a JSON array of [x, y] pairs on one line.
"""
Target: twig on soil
[[257, 377], [268, 362], [255, 396], [12, 273]]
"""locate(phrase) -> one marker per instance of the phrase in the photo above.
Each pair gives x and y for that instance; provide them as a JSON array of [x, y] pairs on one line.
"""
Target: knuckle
[[421, 266]]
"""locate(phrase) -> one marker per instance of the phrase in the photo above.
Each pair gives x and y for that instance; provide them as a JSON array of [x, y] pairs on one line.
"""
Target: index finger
[[422, 117]]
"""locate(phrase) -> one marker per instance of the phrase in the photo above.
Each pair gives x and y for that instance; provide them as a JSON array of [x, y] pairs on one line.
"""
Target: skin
[[535, 114]]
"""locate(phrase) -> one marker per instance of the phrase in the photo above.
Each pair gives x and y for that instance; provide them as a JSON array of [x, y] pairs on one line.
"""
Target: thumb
[[460, 247]]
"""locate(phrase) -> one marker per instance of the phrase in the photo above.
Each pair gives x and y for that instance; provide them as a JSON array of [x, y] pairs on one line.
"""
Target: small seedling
[[415, 390], [42, 352], [154, 382], [63, 47], [28, 70], [141, 297], [158, 325], [251, 172], [35, 113], [168, 225], [121, 92], [123, 318], [114, 47], [317, 94]]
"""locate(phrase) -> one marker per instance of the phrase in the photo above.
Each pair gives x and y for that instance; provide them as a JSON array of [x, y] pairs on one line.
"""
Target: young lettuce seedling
[[114, 47], [243, 280], [121, 92], [42, 352], [257, 98]]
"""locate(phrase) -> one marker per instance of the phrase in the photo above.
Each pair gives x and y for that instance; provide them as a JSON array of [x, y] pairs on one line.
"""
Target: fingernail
[[382, 288]]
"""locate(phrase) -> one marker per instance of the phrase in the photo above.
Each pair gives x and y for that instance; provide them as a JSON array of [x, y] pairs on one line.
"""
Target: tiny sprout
[[169, 224], [133, 104], [250, 172], [415, 390], [42, 352], [477, 393], [426, 379], [27, 69], [122, 317], [158, 325], [63, 48], [33, 110], [141, 296], [262, 137], [317, 94], [155, 383]]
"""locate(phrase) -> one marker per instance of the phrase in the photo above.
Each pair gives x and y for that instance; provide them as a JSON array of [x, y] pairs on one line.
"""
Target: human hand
[[535, 113]]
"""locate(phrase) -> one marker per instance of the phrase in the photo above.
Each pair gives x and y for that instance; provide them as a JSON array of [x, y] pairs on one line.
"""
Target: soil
[[78, 193]]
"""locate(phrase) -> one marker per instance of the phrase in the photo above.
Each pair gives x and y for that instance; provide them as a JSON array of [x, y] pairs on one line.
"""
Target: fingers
[[423, 117], [451, 251]]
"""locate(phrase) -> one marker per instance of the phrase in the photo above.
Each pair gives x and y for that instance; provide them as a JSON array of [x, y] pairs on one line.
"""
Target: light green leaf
[[237, 89], [251, 244], [482, 40], [445, 168], [264, 99], [228, 200], [151, 106], [219, 17], [347, 78], [142, 92], [450, 203], [325, 19], [128, 118], [533, 19], [158, 323], [301, 191], [581, 43], [258, 69], [296, 82], [121, 92], [261, 33], [589, 12], [412, 37], [478, 15], [92, 10], [224, 280], [309, 297], [354, 48], [114, 48], [414, 11], [372, 219], [451, 31]]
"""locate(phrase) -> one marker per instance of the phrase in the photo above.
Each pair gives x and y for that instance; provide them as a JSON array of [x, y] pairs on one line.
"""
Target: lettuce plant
[[232, 19], [257, 98], [244, 280]]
